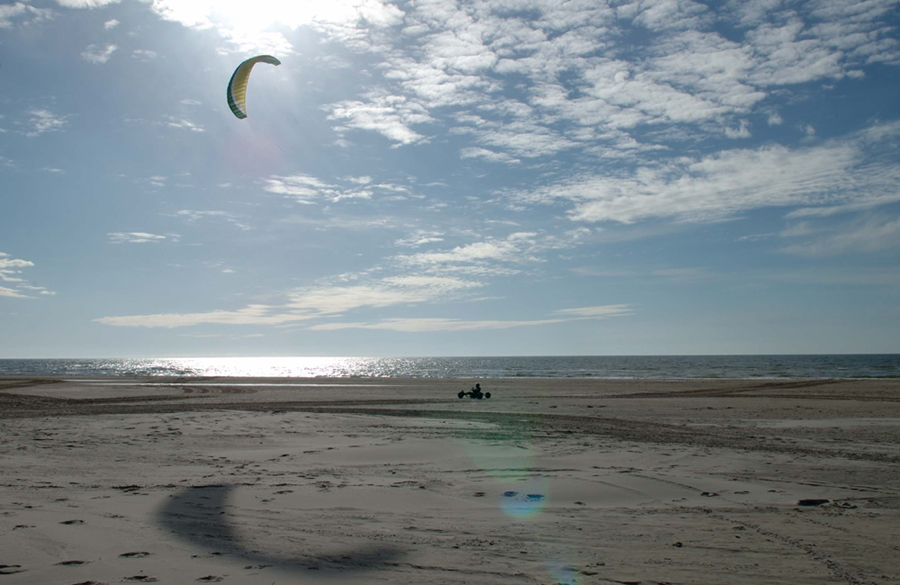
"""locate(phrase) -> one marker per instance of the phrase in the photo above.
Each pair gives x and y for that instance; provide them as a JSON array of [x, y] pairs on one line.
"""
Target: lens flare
[[562, 574], [523, 505]]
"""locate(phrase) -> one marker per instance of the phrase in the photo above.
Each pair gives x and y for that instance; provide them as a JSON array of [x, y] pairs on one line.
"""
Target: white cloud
[[661, 15], [110, 24], [190, 102], [136, 238], [388, 115], [10, 266], [419, 238], [192, 216], [97, 54], [743, 131], [488, 155], [37, 289], [85, 3], [259, 42], [379, 294], [825, 179], [579, 95], [45, 121], [313, 302], [493, 256], [11, 293], [9, 13], [306, 188], [10, 272], [143, 54], [250, 315], [422, 325], [518, 247], [244, 24], [183, 124], [597, 312], [868, 235]]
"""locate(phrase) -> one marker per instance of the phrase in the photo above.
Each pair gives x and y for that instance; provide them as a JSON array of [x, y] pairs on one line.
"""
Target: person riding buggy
[[475, 393]]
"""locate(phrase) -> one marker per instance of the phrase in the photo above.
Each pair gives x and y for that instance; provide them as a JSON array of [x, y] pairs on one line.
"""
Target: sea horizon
[[725, 366]]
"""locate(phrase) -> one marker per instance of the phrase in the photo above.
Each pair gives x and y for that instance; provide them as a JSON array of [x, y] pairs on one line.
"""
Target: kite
[[237, 87]]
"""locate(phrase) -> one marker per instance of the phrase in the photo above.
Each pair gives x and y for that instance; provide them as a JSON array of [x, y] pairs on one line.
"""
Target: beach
[[384, 480]]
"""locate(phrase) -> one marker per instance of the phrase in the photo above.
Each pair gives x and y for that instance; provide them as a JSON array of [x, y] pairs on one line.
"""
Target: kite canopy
[[237, 87]]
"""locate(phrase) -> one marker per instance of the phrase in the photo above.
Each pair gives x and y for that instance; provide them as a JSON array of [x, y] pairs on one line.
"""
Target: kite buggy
[[475, 393]]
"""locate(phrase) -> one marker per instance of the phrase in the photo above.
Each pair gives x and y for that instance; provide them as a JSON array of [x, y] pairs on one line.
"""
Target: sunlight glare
[[245, 16]]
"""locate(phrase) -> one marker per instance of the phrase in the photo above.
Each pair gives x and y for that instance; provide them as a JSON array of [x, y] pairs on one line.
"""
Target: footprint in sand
[[71, 563], [211, 579], [134, 555], [70, 522], [141, 579], [10, 569]]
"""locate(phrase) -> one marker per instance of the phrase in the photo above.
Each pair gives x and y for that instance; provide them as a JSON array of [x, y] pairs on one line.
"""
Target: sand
[[283, 481]]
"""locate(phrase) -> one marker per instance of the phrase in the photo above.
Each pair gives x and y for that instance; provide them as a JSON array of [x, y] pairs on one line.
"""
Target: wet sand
[[378, 480]]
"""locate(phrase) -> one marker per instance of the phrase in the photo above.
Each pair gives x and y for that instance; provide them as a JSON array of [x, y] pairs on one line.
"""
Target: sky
[[429, 177]]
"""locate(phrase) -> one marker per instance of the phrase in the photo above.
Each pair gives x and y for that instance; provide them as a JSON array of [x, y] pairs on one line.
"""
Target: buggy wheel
[[487, 394], [461, 394]]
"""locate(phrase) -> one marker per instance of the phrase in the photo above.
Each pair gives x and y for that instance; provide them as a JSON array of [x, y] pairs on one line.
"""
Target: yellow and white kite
[[237, 87]]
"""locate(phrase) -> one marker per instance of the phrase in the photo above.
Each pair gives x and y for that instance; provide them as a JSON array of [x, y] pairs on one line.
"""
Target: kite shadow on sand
[[198, 515]]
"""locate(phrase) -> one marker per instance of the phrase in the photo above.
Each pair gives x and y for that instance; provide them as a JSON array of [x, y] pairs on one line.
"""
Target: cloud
[[388, 292], [493, 256], [868, 235], [388, 115], [517, 247], [596, 312], [97, 54], [419, 238], [10, 267], [581, 87], [843, 276], [10, 272], [85, 3], [244, 25], [139, 238], [45, 121], [423, 325], [250, 315], [183, 124], [742, 131], [192, 216], [307, 189], [9, 13], [488, 155], [11, 293], [313, 302], [825, 179], [110, 24], [143, 55]]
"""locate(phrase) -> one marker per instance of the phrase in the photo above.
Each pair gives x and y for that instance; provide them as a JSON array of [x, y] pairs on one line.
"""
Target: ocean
[[658, 367]]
